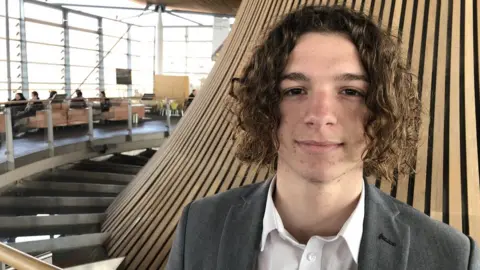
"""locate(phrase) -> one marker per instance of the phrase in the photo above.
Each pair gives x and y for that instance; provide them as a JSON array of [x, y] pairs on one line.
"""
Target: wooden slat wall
[[441, 43]]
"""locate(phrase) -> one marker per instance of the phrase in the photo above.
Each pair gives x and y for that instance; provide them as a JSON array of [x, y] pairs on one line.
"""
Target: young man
[[327, 99]]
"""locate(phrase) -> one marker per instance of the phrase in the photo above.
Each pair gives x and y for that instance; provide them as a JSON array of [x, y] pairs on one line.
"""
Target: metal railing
[[10, 151], [23, 261]]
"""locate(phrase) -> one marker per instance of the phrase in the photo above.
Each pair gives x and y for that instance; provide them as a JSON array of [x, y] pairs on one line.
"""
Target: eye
[[294, 92], [352, 92]]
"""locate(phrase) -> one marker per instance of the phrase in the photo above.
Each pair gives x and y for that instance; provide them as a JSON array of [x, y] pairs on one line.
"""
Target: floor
[[33, 142]]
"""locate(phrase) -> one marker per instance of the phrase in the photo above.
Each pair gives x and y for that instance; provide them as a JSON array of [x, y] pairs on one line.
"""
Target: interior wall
[[441, 42]]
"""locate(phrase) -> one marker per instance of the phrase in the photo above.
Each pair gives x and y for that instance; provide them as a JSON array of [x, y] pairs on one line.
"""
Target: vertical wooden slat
[[417, 66], [470, 125], [436, 207], [454, 200]]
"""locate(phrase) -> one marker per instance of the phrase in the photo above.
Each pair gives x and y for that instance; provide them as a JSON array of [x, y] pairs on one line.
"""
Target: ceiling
[[225, 7]]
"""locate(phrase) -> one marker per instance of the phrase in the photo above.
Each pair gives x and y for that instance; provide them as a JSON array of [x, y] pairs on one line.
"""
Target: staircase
[[67, 206]]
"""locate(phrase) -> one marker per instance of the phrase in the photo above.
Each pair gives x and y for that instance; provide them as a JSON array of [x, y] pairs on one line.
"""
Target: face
[[17, 96], [323, 111]]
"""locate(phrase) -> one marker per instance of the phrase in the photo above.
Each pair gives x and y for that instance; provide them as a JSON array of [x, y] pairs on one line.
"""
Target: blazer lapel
[[385, 240], [240, 241]]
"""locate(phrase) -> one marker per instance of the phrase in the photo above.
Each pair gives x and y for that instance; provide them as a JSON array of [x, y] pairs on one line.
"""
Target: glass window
[[142, 33], [14, 26], [83, 57], [116, 61], [197, 80], [199, 49], [200, 33], [2, 7], [113, 90], [142, 77], [81, 21], [44, 33], [16, 71], [42, 13], [90, 90], [3, 71], [143, 48], [14, 51], [44, 88], [45, 73], [174, 64], [199, 65], [79, 74], [113, 28], [174, 34], [45, 54], [82, 39], [3, 49], [13, 8], [142, 63], [110, 75], [109, 42], [174, 49]]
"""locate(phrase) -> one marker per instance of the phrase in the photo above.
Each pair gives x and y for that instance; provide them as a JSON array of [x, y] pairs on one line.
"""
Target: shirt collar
[[351, 230]]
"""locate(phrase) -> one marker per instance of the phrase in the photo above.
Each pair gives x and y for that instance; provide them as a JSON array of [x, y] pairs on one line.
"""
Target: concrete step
[[89, 177], [44, 188], [21, 206], [59, 244], [105, 166], [128, 160], [50, 225]]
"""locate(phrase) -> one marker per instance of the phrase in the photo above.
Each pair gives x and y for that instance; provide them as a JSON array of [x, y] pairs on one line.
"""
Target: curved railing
[[20, 260], [47, 121]]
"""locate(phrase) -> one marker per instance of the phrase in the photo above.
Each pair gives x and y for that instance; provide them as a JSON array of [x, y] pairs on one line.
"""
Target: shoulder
[[222, 202], [424, 229]]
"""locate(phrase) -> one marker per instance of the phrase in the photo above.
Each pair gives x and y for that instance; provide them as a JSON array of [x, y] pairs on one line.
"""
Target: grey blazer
[[224, 231]]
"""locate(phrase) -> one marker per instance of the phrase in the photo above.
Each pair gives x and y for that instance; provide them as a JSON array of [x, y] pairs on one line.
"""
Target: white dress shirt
[[281, 251]]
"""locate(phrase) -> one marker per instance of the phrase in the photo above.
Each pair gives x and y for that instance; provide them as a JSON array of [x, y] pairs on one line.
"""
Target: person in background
[[104, 102], [52, 94], [190, 98], [31, 109], [78, 102]]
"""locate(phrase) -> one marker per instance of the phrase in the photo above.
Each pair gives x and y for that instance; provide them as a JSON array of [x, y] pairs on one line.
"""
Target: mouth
[[318, 146]]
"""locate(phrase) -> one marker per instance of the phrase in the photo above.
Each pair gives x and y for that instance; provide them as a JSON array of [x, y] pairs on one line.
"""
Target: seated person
[[190, 98], [78, 102], [52, 95], [30, 110], [105, 103]]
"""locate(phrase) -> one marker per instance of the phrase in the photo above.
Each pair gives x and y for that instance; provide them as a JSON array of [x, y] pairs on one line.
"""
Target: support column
[[101, 66], [221, 29], [7, 32], [159, 45], [66, 51], [23, 50], [129, 58]]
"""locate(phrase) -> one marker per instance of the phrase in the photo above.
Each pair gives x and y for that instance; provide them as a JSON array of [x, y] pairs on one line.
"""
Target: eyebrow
[[297, 76]]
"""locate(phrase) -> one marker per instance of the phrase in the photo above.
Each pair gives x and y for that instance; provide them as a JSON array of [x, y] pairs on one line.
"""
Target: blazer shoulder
[[429, 229], [224, 200]]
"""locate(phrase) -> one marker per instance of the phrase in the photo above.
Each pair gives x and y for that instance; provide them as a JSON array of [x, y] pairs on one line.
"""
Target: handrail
[[21, 260], [69, 98]]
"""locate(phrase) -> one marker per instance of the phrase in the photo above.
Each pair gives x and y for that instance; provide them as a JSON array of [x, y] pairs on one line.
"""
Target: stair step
[[107, 264], [89, 177], [50, 225], [43, 188], [21, 206], [62, 243], [105, 166], [128, 160]]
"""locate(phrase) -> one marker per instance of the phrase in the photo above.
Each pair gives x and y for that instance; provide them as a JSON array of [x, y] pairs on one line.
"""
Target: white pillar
[[159, 46], [221, 28]]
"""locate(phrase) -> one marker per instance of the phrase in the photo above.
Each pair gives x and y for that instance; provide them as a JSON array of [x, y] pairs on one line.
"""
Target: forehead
[[323, 54]]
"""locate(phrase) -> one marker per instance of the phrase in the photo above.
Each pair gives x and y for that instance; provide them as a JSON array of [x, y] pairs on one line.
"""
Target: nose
[[320, 109]]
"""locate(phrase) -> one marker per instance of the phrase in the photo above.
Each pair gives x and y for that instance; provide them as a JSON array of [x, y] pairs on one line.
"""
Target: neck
[[309, 208]]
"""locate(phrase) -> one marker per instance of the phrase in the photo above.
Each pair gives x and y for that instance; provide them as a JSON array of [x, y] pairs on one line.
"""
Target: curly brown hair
[[394, 107]]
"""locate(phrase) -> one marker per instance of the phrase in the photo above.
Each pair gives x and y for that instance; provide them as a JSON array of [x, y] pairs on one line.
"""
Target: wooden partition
[[441, 42], [173, 87]]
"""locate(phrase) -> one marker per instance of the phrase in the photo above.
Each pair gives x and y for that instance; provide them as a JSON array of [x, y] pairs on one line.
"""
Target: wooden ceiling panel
[[227, 7]]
